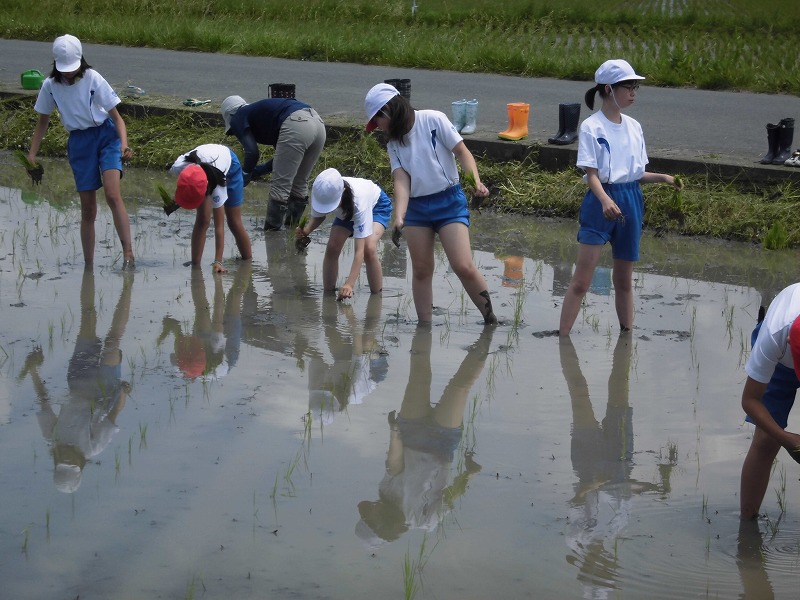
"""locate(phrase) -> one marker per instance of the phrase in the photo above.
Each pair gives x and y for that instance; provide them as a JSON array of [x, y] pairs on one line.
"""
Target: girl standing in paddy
[[362, 212], [98, 139], [210, 180], [612, 153], [423, 147]]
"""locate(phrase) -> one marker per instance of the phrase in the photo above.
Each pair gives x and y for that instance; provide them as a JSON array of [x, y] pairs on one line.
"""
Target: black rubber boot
[[772, 144], [276, 212], [553, 139], [297, 206], [785, 138], [572, 117]]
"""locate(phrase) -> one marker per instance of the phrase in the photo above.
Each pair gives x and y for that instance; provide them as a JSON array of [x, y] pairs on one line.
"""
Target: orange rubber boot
[[517, 121]]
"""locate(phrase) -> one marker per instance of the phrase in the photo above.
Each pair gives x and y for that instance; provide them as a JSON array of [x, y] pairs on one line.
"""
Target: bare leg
[[420, 248], [755, 473], [88, 217], [234, 217], [456, 244], [112, 189], [622, 276], [588, 256], [372, 260]]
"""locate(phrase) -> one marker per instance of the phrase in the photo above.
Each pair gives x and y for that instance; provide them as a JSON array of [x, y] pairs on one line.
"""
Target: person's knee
[[370, 253], [89, 213], [331, 253], [579, 286]]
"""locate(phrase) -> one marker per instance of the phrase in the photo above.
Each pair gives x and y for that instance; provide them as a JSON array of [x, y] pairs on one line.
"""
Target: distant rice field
[[715, 44]]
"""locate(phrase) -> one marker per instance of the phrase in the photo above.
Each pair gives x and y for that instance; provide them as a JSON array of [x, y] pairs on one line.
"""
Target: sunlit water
[[238, 440]]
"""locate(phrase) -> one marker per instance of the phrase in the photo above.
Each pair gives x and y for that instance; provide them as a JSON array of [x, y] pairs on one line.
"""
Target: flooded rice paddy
[[169, 433]]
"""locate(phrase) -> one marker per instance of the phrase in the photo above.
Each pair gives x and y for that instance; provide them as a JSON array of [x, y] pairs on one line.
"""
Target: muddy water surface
[[174, 434]]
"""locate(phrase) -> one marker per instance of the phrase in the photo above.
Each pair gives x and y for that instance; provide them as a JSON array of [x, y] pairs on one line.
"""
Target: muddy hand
[[36, 173], [397, 233]]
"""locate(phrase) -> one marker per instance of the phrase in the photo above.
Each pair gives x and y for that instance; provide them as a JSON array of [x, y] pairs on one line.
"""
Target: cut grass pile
[[761, 213]]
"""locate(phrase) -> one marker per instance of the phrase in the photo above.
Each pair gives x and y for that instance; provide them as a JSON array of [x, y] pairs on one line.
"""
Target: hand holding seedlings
[[35, 170]]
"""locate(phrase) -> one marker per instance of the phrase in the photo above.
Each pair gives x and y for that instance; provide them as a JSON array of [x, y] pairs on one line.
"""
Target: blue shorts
[[381, 213], [93, 151], [427, 436], [235, 183], [623, 233], [439, 209], [781, 390]]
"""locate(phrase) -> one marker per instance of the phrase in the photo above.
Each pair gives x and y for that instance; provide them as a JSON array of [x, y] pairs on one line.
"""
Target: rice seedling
[[25, 536], [142, 435], [781, 491], [777, 238]]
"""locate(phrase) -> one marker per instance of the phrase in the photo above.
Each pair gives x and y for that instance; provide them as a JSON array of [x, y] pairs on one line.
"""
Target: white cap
[[229, 107], [614, 71], [67, 478], [326, 191], [67, 52], [376, 99]]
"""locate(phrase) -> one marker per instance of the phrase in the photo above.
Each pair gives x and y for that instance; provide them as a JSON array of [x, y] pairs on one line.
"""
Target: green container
[[32, 79]]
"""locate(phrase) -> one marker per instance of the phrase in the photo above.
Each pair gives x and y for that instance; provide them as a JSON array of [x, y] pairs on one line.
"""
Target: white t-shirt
[[427, 154], [365, 196], [216, 155], [616, 150], [772, 344], [82, 105]]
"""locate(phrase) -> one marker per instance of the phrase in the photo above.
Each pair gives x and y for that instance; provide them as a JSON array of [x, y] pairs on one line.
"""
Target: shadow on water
[[259, 439]]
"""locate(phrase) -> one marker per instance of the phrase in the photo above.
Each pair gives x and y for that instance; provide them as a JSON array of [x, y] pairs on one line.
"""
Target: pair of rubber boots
[[569, 115], [287, 214], [517, 121], [465, 116], [779, 140]]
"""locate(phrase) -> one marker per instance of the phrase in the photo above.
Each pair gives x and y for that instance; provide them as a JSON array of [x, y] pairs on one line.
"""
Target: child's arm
[[312, 224], [610, 209], [122, 131], [468, 164], [401, 194], [37, 137], [346, 291], [662, 178]]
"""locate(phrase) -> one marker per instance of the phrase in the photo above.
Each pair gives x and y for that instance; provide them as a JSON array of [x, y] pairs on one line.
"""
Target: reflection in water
[[86, 421], [358, 365], [513, 272], [750, 559], [282, 318], [422, 442], [601, 457], [212, 349]]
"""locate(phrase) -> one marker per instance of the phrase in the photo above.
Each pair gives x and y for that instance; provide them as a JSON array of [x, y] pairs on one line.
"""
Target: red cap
[[794, 345], [190, 356], [192, 186]]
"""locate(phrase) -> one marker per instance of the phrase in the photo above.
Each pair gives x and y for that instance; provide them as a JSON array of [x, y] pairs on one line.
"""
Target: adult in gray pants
[[298, 135]]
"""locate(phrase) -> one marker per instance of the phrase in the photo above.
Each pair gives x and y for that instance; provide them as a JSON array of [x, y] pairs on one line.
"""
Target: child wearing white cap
[[98, 138], [612, 154], [362, 212], [423, 147]]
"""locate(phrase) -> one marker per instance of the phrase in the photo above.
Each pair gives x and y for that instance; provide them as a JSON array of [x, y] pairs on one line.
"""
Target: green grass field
[[712, 44]]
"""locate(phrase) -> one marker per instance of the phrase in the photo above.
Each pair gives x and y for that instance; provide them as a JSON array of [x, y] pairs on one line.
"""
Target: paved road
[[728, 127]]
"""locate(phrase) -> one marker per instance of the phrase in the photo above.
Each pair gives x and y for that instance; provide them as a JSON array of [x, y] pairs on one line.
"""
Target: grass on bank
[[712, 44], [763, 213]]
